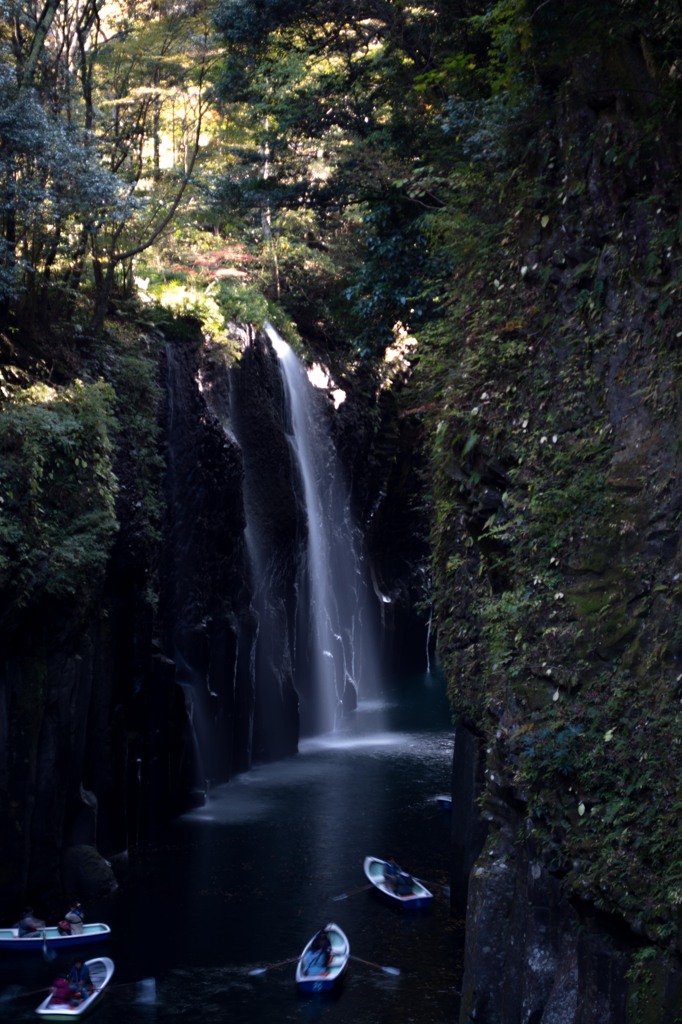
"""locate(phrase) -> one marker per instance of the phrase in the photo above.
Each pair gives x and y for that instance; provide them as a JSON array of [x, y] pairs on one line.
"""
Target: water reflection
[[245, 881]]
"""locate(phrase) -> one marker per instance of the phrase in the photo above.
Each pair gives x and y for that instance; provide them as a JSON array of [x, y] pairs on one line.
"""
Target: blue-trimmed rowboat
[[318, 977], [444, 802], [50, 937], [415, 896], [101, 969]]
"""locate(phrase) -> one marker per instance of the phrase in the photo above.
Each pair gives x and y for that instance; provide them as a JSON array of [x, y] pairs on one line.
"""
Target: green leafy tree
[[88, 95], [340, 108], [57, 514]]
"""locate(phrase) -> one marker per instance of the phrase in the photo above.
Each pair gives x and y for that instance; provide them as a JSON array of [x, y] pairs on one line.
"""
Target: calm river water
[[245, 881]]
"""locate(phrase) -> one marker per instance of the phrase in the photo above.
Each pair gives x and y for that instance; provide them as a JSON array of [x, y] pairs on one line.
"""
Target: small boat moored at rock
[[316, 972], [411, 893], [52, 937], [56, 1007]]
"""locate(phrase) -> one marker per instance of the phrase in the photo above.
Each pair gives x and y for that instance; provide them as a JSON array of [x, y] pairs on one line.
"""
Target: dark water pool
[[246, 880]]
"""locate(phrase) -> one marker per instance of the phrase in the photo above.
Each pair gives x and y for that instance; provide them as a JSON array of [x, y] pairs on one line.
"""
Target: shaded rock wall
[[560, 565], [112, 725], [207, 626], [532, 954], [529, 956], [469, 828], [382, 448], [250, 405]]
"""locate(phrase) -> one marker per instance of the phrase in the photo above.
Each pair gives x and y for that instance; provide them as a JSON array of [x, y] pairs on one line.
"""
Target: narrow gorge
[[193, 658], [340, 340]]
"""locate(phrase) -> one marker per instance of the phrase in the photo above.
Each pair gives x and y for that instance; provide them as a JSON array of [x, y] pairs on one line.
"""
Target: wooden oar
[[353, 892], [48, 954], [16, 992], [423, 881], [146, 990], [271, 967], [395, 971], [433, 885]]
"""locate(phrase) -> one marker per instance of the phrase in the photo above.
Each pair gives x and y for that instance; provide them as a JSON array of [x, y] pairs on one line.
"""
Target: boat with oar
[[406, 890], [394, 972], [52, 938], [323, 961], [59, 1004]]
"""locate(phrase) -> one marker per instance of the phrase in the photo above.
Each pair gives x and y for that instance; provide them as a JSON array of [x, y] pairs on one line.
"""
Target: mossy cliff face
[[553, 379], [126, 609]]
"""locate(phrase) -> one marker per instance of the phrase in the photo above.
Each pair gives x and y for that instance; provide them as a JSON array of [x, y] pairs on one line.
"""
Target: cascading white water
[[340, 644]]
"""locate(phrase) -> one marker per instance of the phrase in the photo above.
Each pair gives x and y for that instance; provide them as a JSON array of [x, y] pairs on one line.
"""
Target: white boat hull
[[101, 970], [330, 976], [418, 897]]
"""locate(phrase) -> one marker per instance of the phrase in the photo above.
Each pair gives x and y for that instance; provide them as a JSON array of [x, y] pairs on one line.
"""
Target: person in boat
[[28, 924], [319, 956], [80, 982], [61, 991], [74, 919], [392, 873], [322, 944], [395, 879]]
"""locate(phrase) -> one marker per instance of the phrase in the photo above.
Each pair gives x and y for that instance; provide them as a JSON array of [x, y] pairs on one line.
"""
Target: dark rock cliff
[[383, 451], [250, 404], [118, 713], [557, 559]]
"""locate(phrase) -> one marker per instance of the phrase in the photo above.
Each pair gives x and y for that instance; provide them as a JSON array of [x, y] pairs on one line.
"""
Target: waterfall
[[333, 611]]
